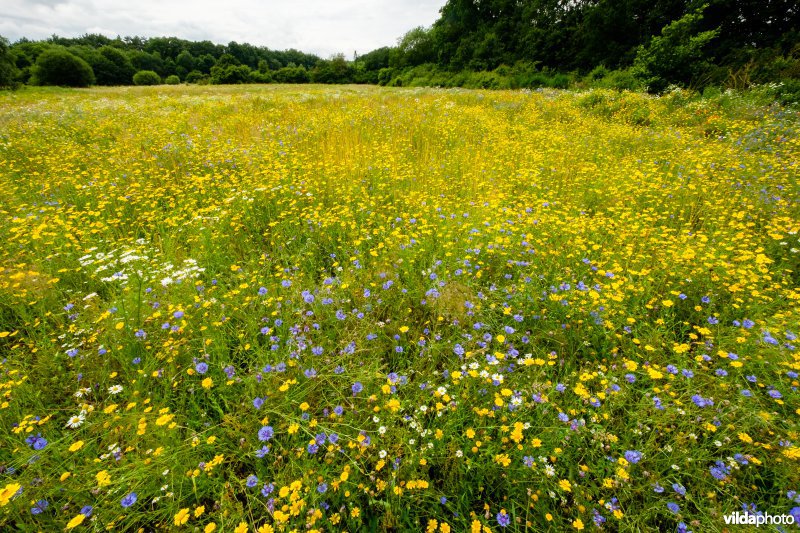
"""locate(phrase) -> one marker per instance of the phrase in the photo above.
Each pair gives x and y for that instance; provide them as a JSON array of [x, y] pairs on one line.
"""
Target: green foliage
[[8, 70], [196, 76], [292, 75], [336, 70], [146, 77], [230, 74], [172, 80], [112, 67], [677, 56], [57, 66]]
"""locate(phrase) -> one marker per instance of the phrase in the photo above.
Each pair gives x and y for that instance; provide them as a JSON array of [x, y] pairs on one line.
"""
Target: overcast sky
[[322, 27]]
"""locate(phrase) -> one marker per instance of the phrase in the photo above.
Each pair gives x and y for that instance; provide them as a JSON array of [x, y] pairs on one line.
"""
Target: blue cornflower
[[265, 433], [39, 507], [633, 456], [128, 500]]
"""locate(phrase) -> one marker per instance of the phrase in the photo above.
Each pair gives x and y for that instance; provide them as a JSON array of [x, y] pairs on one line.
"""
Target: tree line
[[634, 44]]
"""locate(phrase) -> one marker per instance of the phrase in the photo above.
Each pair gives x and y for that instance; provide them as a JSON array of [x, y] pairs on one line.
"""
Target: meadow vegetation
[[300, 308]]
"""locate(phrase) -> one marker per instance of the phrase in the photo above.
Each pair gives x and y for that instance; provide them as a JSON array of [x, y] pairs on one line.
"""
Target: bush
[[196, 76], [257, 76], [677, 56], [172, 80], [146, 77], [292, 75], [57, 66], [228, 74]]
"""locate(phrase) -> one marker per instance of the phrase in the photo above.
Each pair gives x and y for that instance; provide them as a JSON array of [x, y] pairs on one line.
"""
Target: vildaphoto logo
[[761, 519]]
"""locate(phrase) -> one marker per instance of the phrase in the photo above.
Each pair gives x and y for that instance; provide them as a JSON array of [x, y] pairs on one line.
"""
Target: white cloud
[[323, 27]]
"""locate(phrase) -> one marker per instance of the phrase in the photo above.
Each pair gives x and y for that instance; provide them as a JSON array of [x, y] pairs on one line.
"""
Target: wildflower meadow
[[305, 308]]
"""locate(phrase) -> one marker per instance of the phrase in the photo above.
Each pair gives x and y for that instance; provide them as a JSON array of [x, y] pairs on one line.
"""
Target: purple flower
[[265, 433], [262, 291], [357, 387], [322, 488], [178, 315], [201, 368], [720, 471], [86, 510], [258, 402], [267, 489], [252, 481], [128, 500], [286, 284], [673, 507], [39, 507], [680, 489], [503, 520], [72, 352], [701, 402], [633, 456]]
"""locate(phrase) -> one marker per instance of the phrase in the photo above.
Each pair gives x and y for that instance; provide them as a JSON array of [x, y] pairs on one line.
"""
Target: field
[[290, 308]]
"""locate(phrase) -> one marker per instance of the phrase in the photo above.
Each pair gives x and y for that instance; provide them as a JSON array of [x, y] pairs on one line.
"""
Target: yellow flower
[[76, 521], [665, 303], [578, 524], [182, 517], [266, 528], [103, 478], [565, 485], [76, 446], [8, 492], [241, 528], [199, 511], [210, 527], [207, 383]]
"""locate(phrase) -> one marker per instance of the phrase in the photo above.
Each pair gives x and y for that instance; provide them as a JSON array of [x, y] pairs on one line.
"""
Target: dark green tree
[[677, 56], [8, 70], [56, 66], [112, 66]]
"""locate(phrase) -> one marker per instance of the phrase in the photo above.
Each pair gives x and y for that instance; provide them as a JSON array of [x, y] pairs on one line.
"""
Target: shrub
[[196, 76], [676, 56], [230, 74], [57, 66], [172, 80], [146, 77]]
